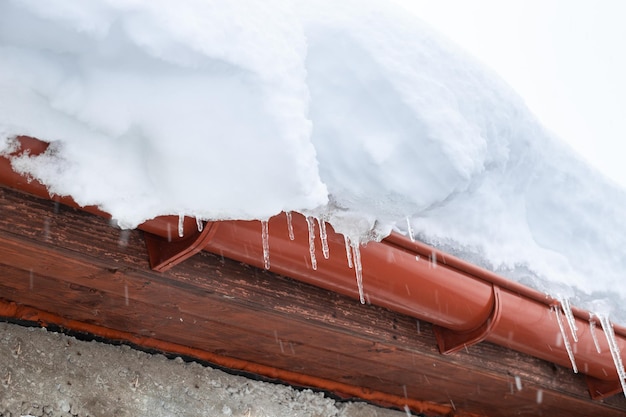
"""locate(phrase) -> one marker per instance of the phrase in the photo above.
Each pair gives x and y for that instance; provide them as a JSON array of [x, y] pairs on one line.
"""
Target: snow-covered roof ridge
[[355, 113]]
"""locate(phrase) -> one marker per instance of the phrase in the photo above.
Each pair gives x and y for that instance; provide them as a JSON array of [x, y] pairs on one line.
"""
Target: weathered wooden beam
[[78, 266]]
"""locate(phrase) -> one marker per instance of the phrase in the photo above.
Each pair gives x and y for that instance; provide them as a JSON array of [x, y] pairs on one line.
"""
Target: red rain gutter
[[466, 303]]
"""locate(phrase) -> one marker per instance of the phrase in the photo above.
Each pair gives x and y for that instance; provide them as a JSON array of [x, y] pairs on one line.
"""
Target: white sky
[[566, 58]]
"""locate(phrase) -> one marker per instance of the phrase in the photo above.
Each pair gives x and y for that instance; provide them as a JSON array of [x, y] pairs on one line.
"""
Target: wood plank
[[101, 275]]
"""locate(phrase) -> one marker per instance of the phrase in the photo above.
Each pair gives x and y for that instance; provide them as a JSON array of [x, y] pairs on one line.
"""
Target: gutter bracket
[[450, 341], [600, 389], [165, 254]]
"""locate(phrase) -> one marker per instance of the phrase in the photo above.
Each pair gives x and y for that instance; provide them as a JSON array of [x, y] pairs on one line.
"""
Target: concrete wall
[[50, 374]]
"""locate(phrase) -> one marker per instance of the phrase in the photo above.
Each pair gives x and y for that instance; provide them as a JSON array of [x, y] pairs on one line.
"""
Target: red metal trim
[[165, 253], [451, 342], [600, 389]]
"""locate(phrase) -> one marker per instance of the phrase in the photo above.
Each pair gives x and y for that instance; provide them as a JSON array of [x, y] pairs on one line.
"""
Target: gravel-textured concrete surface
[[50, 374]]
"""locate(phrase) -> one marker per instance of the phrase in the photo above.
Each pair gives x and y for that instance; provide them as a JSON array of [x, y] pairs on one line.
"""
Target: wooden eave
[[64, 267]]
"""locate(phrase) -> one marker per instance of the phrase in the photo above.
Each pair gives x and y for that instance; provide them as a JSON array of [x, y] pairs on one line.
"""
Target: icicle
[[266, 243], [323, 238], [410, 229], [358, 268], [311, 223], [348, 251], [181, 223], [592, 330], [571, 321], [199, 224], [433, 259], [290, 226], [518, 382], [568, 346], [609, 333], [126, 293]]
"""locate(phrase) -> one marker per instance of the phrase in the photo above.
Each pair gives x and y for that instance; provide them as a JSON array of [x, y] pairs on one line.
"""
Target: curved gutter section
[[467, 304]]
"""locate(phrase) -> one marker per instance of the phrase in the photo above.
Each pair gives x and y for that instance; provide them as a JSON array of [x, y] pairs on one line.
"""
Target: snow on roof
[[352, 111]]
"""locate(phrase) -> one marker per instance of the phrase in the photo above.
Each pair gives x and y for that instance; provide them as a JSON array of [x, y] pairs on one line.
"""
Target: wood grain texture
[[78, 266]]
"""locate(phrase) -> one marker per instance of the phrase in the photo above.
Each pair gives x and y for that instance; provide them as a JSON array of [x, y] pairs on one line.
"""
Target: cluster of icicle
[[607, 327], [353, 251], [181, 225]]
